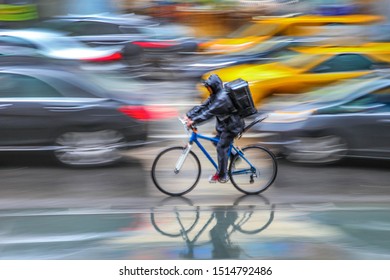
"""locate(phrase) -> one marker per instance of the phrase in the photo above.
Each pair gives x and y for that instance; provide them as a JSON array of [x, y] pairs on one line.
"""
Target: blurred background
[[90, 92], [65, 59]]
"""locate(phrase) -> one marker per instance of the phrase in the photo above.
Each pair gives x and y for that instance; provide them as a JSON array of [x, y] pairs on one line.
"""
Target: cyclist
[[228, 123]]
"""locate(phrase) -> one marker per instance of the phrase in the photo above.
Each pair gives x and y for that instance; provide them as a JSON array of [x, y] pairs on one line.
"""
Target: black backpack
[[241, 97]]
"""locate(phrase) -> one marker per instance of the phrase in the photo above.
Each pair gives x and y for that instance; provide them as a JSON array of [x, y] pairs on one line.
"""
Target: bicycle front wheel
[[171, 181], [255, 172]]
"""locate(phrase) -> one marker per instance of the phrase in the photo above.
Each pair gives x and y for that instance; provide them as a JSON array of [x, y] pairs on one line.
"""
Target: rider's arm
[[220, 106], [200, 108]]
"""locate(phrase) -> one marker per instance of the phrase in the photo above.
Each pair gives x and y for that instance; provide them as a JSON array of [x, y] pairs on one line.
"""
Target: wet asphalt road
[[53, 212], [48, 211]]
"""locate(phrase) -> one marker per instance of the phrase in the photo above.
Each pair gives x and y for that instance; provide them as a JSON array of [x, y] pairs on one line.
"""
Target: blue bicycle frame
[[194, 139]]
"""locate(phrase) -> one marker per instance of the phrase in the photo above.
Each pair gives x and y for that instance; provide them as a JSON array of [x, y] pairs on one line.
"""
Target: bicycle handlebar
[[184, 123]]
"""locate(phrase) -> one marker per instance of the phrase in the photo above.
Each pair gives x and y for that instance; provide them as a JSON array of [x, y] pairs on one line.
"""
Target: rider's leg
[[226, 139]]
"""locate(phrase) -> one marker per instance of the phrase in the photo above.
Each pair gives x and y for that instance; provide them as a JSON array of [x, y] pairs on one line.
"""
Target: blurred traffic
[[87, 81]]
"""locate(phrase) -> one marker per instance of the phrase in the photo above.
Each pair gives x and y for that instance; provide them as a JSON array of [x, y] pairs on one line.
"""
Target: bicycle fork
[[182, 158]]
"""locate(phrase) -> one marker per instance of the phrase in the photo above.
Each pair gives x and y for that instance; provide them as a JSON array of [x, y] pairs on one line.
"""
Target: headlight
[[288, 117]]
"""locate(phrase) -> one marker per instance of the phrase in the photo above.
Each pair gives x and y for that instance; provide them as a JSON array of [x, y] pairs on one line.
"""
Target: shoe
[[223, 179], [216, 178]]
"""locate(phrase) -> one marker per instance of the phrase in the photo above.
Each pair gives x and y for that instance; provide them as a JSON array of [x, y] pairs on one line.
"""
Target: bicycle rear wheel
[[170, 181], [254, 173]]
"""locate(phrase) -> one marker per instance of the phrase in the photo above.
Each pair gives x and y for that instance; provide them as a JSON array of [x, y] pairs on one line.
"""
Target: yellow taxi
[[263, 28], [308, 68]]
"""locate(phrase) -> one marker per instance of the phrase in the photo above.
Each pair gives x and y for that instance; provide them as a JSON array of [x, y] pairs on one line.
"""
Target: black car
[[43, 108], [349, 119]]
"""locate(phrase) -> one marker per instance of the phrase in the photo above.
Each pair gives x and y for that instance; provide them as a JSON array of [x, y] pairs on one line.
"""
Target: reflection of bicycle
[[176, 170], [248, 215]]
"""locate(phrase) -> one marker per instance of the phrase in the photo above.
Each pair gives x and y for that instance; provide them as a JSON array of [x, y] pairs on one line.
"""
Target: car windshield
[[334, 92], [254, 29], [300, 60], [265, 46], [52, 25], [168, 31]]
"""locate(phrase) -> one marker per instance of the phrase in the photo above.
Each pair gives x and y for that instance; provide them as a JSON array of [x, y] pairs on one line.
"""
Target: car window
[[370, 102], [362, 101], [14, 41], [129, 30], [21, 86], [344, 63], [73, 87], [92, 28], [382, 96], [283, 54]]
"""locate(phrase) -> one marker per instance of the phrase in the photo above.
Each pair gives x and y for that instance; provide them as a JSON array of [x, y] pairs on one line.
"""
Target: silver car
[[350, 119], [55, 45]]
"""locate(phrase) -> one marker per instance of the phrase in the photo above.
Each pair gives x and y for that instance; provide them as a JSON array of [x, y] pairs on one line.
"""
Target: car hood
[[230, 44], [253, 73], [216, 62]]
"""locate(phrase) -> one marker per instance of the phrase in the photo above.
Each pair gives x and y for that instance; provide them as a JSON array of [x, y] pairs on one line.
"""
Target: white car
[[57, 46]]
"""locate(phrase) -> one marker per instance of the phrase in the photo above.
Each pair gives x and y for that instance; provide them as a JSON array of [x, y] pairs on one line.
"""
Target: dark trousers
[[225, 139]]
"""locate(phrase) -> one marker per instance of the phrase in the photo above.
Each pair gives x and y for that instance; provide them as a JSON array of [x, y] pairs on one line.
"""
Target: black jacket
[[219, 105]]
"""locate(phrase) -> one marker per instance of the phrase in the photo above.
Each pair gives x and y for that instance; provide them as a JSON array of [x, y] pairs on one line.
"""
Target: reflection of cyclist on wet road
[[247, 215], [220, 238]]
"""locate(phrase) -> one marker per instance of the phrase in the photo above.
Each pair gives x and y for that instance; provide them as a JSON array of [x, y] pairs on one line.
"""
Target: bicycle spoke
[[171, 181], [254, 173]]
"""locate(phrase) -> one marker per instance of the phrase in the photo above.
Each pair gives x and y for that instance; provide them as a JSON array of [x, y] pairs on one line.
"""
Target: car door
[[381, 121], [22, 118], [31, 110], [369, 123]]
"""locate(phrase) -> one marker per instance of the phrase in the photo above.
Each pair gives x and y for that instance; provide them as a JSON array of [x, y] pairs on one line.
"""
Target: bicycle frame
[[194, 139]]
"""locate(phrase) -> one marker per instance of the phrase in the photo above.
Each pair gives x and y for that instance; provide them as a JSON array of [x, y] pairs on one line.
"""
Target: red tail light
[[149, 113], [111, 57], [154, 45]]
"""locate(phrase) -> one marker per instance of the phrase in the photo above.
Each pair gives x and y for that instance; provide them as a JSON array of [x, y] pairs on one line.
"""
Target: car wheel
[[89, 148], [322, 150]]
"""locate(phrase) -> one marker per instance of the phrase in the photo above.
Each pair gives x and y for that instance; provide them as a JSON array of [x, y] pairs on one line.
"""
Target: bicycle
[[177, 170]]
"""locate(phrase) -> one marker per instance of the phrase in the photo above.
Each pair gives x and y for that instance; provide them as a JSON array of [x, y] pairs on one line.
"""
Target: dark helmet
[[213, 82]]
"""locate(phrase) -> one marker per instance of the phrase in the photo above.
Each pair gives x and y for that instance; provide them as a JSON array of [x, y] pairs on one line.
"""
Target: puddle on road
[[249, 229]]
